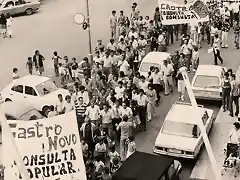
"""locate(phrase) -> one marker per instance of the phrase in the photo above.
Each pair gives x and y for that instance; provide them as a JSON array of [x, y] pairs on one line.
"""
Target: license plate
[[174, 151]]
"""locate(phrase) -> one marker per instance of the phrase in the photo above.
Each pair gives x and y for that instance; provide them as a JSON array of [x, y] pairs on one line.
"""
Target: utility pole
[[89, 33], [201, 125]]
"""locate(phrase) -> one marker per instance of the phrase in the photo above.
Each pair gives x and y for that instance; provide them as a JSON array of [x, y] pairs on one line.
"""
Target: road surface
[[53, 29]]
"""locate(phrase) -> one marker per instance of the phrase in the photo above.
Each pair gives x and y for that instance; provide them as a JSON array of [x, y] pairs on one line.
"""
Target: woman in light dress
[[9, 25]]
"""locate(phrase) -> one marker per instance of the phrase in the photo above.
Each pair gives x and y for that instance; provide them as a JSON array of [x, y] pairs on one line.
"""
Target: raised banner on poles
[[49, 148], [172, 13]]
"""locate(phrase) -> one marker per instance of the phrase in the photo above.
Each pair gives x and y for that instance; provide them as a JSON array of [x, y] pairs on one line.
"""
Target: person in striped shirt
[[80, 111]]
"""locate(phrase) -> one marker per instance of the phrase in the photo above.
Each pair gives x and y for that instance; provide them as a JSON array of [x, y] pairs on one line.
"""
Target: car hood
[[55, 93], [176, 142]]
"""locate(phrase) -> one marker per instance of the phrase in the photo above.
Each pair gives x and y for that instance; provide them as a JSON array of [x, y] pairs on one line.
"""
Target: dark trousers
[[225, 98], [235, 100], [188, 63], [217, 56], [169, 37], [158, 88], [236, 17], [208, 37], [142, 115], [154, 46], [56, 70], [117, 133]]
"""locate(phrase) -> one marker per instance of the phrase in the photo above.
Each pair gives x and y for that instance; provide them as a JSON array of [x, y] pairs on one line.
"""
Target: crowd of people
[[112, 99]]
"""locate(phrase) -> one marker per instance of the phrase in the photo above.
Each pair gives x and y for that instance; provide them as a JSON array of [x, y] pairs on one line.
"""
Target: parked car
[[14, 7], [19, 111], [206, 83], [180, 133], [152, 59], [39, 91]]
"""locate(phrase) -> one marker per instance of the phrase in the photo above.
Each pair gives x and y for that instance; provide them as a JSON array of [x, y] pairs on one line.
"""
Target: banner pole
[[8, 133], [201, 125]]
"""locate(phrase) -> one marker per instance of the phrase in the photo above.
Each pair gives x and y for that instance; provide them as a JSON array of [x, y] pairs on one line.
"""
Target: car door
[[16, 93], [20, 7], [8, 7]]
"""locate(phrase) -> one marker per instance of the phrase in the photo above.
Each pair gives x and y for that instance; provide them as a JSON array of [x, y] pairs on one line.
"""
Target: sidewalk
[[218, 138]]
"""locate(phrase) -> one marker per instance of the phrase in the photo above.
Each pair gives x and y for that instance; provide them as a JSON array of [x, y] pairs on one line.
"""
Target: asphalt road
[[53, 29]]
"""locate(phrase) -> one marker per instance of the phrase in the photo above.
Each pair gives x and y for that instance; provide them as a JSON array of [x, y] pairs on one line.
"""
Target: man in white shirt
[[226, 14], [125, 110], [143, 84], [107, 64], [132, 33], [68, 106], [93, 112], [142, 102], [157, 79], [186, 50], [119, 90], [98, 58], [167, 71], [60, 108], [84, 94]]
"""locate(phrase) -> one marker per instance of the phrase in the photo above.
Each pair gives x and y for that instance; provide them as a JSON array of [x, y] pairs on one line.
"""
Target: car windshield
[[180, 129], [145, 67], [29, 115], [206, 81], [46, 87]]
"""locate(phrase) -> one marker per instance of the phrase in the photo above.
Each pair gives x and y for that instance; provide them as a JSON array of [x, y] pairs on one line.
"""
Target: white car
[[180, 134], [206, 83], [39, 91], [152, 59], [18, 111]]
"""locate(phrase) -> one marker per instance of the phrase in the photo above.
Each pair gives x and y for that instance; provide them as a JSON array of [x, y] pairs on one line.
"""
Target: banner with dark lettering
[[172, 13], [50, 149]]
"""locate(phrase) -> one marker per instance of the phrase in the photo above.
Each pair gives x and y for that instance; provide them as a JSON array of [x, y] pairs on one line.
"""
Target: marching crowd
[[112, 99]]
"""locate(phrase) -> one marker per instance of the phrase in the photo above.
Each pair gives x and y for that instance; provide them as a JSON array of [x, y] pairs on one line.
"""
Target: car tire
[[8, 100], [29, 11], [44, 110]]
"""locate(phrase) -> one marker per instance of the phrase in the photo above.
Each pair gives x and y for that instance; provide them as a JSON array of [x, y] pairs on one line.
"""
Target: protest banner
[[172, 13], [50, 148]]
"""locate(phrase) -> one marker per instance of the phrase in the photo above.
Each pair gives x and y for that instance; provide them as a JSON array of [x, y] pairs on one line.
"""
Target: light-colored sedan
[[14, 7], [39, 91], [206, 83], [18, 111], [180, 133]]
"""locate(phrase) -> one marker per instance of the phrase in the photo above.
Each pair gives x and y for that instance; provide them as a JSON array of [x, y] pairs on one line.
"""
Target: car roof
[[156, 57], [31, 80], [210, 70], [183, 113], [16, 109], [143, 166]]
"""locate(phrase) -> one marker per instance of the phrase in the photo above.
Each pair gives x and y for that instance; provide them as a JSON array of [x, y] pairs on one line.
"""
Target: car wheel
[[44, 110], [7, 100], [29, 11]]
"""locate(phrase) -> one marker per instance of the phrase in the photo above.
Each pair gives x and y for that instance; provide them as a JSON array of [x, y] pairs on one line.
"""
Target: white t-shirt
[[60, 106], [68, 107], [106, 116], [93, 113], [119, 92]]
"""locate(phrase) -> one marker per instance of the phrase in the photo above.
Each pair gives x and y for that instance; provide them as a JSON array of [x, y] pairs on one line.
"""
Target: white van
[[152, 59], [206, 83]]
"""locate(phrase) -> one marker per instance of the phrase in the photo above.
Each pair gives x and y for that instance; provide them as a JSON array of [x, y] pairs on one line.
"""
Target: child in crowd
[[15, 74], [29, 65]]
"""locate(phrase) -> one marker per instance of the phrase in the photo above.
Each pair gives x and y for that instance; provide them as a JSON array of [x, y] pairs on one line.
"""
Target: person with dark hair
[[216, 49], [234, 96], [113, 25], [226, 89], [60, 108], [68, 106], [38, 62], [234, 134], [56, 59], [157, 80], [51, 112], [15, 74], [3, 24], [152, 98], [29, 65], [142, 102], [126, 128]]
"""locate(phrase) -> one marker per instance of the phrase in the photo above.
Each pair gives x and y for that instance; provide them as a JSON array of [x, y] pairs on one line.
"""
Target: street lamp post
[[89, 33]]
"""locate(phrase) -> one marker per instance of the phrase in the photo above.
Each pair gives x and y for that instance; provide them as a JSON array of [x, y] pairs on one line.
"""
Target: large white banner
[[172, 13], [50, 149]]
